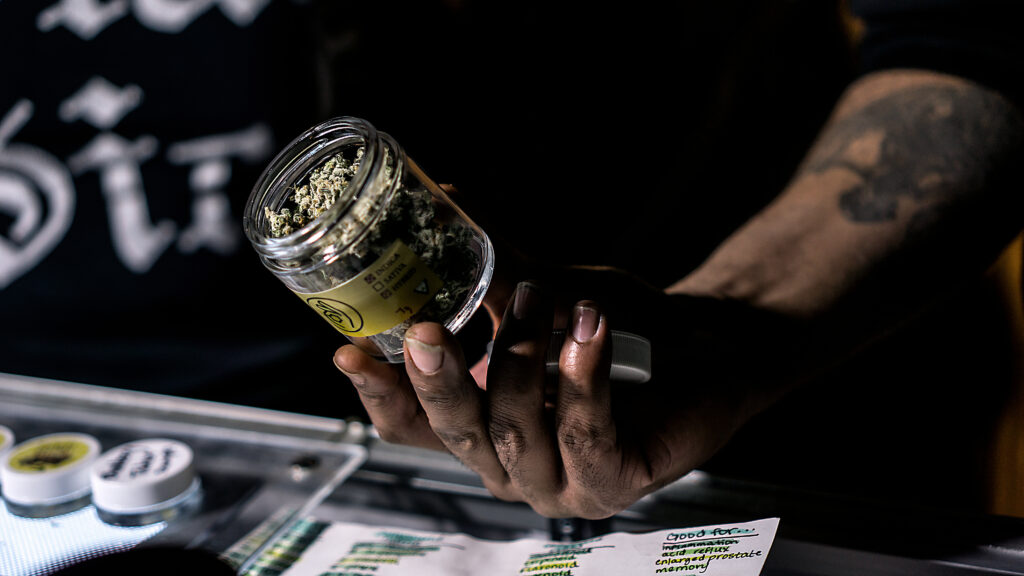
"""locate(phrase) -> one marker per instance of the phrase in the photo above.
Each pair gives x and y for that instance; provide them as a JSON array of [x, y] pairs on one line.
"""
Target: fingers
[[388, 398], [566, 461], [585, 427], [519, 425], [453, 402]]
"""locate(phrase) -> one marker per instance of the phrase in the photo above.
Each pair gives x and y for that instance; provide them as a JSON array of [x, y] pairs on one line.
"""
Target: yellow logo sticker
[[48, 454], [388, 292]]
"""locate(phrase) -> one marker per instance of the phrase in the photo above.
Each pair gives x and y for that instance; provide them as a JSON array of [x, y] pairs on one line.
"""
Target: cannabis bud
[[309, 201]]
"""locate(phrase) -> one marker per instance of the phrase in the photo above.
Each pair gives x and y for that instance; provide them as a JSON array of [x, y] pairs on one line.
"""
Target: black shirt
[[132, 134]]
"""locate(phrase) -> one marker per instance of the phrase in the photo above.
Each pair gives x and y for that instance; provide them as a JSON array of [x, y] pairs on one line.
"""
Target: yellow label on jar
[[48, 454], [385, 294]]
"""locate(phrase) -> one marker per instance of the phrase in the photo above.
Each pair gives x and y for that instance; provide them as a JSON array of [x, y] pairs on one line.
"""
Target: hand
[[576, 446]]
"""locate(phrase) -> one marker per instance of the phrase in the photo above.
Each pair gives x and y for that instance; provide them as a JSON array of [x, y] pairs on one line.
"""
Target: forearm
[[911, 186]]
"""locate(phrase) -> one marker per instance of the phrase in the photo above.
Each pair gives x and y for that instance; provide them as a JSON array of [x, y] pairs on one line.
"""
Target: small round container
[[48, 475], [631, 356], [392, 249], [6, 440], [144, 482]]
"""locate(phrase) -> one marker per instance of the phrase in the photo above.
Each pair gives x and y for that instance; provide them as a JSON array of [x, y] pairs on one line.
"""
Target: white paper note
[[358, 550]]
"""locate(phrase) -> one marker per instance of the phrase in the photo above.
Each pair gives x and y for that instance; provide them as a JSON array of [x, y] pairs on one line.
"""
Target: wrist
[[754, 356]]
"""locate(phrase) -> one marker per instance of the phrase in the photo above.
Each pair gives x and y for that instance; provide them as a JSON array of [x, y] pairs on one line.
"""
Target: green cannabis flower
[[326, 184]]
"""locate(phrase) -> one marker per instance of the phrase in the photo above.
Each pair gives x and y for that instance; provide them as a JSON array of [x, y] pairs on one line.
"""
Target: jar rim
[[303, 154]]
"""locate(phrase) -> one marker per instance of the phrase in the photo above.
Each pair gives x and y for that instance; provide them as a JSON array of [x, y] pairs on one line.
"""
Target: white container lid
[[49, 469], [141, 475], [6, 439], [631, 356]]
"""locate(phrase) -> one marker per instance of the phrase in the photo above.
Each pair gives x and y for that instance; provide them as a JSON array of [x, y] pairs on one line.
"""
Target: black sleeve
[[976, 39]]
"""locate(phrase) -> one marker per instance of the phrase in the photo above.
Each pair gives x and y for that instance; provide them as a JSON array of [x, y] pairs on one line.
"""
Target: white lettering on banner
[[37, 192], [212, 225], [137, 241], [87, 18], [172, 16], [100, 103]]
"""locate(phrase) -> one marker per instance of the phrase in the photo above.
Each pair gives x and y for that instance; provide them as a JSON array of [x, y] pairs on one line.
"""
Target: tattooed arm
[[913, 187]]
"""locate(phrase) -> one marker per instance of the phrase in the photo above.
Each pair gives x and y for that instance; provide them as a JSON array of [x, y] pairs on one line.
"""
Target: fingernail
[[525, 300], [584, 323], [426, 357]]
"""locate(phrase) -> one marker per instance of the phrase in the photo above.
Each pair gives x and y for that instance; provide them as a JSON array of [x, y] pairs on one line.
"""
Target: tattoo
[[916, 149]]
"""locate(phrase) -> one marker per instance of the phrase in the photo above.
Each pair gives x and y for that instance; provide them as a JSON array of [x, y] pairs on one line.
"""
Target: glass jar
[[389, 249]]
